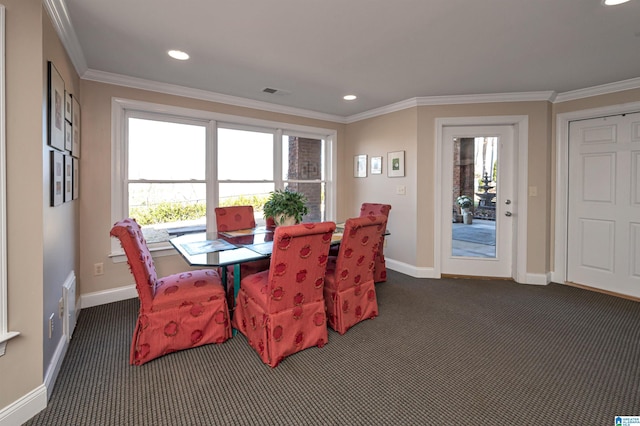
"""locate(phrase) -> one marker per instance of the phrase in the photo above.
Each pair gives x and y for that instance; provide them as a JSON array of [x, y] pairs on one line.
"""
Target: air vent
[[272, 91]]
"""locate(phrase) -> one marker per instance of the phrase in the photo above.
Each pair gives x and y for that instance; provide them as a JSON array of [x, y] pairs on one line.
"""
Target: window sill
[[158, 250], [4, 338]]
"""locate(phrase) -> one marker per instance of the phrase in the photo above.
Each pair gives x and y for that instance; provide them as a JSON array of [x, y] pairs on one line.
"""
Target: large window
[[166, 174], [172, 166]]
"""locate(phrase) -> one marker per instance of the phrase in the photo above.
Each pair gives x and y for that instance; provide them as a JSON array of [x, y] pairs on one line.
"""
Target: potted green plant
[[285, 207], [465, 203]]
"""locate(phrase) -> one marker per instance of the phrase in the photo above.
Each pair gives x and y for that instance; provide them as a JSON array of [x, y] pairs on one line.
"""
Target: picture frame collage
[[63, 120], [395, 165]]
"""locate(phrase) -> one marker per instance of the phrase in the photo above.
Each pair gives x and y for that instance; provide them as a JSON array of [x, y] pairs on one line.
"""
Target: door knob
[[507, 202], [507, 213]]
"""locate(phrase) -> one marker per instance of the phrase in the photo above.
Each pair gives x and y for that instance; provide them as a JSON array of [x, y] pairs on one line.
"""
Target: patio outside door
[[477, 162]]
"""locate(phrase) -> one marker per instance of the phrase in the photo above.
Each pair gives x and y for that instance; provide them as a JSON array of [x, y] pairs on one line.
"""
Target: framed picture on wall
[[67, 106], [68, 178], [68, 136], [75, 114], [56, 108], [395, 164], [360, 165], [76, 178], [376, 165], [57, 178]]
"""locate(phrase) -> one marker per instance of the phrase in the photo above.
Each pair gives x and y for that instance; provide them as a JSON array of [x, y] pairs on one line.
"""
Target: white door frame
[[520, 124], [559, 274]]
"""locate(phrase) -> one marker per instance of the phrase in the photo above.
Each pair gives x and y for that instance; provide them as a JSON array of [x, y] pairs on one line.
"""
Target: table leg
[[236, 288]]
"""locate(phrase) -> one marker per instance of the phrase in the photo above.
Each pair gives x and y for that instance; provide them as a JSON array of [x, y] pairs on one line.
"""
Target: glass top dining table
[[222, 249]]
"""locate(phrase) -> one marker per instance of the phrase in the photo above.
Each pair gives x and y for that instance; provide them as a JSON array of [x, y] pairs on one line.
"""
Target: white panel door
[[604, 204], [498, 262]]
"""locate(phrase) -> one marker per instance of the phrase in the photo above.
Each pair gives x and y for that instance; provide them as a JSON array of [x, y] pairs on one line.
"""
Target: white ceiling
[[383, 51]]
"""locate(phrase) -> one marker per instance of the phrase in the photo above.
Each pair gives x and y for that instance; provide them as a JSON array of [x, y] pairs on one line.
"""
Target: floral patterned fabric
[[177, 312], [231, 219], [372, 209], [349, 291], [234, 218], [281, 311]]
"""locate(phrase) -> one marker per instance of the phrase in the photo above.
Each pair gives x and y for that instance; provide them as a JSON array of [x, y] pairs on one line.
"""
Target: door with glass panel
[[477, 200]]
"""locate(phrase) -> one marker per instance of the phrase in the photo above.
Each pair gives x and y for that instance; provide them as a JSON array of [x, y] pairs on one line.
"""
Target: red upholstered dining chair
[[372, 209], [232, 219], [178, 311], [281, 311], [349, 290]]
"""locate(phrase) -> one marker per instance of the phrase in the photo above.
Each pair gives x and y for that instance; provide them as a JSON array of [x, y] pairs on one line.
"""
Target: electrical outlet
[[98, 268], [401, 190], [51, 325]]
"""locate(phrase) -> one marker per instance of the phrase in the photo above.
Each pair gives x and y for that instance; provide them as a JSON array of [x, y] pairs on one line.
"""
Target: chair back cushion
[[298, 264], [139, 258], [358, 248], [234, 218], [372, 209]]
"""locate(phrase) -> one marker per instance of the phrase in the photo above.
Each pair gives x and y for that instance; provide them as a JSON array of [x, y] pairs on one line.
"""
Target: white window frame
[[5, 334], [119, 165]]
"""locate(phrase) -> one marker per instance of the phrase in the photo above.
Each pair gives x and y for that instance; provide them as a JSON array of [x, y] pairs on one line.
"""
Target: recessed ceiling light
[[178, 54], [349, 97], [613, 2]]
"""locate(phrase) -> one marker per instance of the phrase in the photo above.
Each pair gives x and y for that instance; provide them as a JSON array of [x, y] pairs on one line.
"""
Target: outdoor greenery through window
[[179, 168]]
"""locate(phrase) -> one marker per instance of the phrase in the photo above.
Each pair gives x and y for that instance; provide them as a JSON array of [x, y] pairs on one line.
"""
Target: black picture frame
[[56, 100]]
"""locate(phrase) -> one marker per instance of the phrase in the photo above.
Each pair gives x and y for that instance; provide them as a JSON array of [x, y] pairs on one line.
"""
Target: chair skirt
[[348, 307], [188, 310], [277, 335]]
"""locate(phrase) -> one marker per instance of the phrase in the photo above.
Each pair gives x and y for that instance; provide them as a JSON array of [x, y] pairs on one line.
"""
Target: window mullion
[[277, 159], [211, 173]]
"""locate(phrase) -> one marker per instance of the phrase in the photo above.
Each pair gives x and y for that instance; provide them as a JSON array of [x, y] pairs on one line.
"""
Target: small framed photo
[[76, 178], [68, 136], [360, 165], [55, 116], [57, 178], [376, 165], [75, 124], [68, 178], [395, 164], [67, 106]]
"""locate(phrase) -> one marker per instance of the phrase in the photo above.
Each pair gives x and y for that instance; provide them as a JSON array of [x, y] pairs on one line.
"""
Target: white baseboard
[[411, 270], [51, 374], [427, 272], [24, 408], [538, 279], [108, 296]]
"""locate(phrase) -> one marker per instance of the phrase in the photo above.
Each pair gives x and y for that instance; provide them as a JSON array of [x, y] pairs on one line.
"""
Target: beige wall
[[95, 175], [413, 130], [21, 366], [60, 232], [538, 173], [377, 137]]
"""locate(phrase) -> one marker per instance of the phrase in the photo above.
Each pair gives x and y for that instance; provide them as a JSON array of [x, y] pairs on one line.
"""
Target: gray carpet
[[442, 352]]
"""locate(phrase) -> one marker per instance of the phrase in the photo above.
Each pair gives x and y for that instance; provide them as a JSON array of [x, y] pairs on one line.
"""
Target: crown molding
[[548, 96], [604, 89], [172, 89], [487, 98], [59, 15], [398, 106]]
